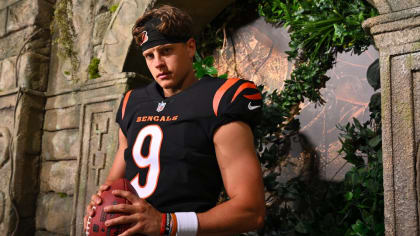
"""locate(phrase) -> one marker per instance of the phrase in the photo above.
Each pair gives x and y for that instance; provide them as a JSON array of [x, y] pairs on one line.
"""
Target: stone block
[[53, 213], [8, 74], [33, 71], [58, 176], [60, 78], [26, 185], [60, 145], [46, 233], [63, 101], [10, 45], [58, 119], [6, 3], [101, 24], [25, 13], [3, 21], [6, 104]]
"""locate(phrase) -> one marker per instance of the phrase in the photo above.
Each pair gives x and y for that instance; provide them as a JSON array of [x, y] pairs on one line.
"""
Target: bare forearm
[[230, 218]]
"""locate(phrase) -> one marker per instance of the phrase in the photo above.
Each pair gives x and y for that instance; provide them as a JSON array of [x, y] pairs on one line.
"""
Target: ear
[[191, 47]]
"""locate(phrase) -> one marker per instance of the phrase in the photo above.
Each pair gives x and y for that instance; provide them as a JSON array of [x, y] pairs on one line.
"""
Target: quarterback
[[182, 140]]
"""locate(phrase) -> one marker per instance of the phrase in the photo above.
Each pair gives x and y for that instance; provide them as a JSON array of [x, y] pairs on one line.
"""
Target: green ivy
[[93, 70], [205, 67], [113, 8]]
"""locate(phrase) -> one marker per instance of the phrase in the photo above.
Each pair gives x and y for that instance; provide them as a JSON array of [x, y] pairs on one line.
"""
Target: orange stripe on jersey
[[256, 96], [127, 95], [221, 91], [242, 88]]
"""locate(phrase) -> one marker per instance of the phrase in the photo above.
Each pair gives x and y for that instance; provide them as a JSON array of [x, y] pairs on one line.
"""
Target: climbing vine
[[62, 25]]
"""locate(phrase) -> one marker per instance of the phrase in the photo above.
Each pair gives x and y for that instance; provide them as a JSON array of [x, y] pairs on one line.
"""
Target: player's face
[[171, 64]]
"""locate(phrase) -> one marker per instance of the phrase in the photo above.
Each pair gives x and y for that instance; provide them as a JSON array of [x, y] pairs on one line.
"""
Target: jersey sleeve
[[121, 112], [118, 117], [237, 100]]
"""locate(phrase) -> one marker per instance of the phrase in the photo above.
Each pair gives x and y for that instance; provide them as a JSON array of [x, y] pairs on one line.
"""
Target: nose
[[159, 61]]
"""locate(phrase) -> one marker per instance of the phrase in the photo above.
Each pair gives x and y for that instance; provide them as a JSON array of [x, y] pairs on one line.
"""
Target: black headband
[[151, 37]]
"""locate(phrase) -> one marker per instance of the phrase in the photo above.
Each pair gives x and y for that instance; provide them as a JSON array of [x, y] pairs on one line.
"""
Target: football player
[[182, 140]]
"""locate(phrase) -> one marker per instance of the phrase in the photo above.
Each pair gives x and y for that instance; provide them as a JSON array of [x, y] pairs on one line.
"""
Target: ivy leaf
[[375, 141], [349, 196], [301, 228], [224, 76], [211, 71]]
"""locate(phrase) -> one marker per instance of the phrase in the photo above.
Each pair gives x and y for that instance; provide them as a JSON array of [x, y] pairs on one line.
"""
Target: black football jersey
[[170, 159]]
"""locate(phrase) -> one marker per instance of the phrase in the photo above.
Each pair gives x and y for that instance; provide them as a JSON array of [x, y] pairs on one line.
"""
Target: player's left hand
[[142, 216]]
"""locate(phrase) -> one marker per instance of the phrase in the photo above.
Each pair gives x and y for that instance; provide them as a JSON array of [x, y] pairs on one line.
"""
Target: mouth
[[163, 75]]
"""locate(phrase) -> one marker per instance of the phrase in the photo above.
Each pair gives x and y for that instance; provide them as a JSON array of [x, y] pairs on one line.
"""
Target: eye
[[148, 56], [166, 51]]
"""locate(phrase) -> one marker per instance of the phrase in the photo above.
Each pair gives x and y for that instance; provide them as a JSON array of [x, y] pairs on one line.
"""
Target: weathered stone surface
[[46, 233], [10, 45], [26, 186], [3, 20], [52, 213], [33, 71], [63, 101], [60, 78], [399, 37], [83, 24], [5, 168], [60, 145], [396, 35], [118, 38], [102, 6], [30, 116], [4, 147], [6, 117], [58, 176], [8, 74], [100, 140], [6, 3], [101, 24], [25, 13], [395, 5], [58, 119]]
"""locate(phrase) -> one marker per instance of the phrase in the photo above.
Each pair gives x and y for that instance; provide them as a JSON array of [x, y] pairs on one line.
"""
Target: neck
[[187, 82]]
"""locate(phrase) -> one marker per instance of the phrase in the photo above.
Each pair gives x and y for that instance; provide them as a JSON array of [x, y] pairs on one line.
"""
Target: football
[[96, 224]]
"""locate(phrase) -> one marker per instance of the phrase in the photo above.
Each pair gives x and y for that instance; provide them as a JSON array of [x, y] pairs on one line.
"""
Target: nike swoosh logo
[[250, 107]]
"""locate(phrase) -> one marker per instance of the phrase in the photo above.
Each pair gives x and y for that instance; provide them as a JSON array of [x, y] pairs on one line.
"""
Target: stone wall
[[24, 60]]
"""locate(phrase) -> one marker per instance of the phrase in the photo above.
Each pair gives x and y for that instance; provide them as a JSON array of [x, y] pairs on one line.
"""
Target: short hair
[[174, 23]]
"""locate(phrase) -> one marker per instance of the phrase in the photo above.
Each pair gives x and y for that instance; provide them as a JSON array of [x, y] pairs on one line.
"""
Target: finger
[[96, 200], [103, 187], [120, 208], [127, 195], [121, 220]]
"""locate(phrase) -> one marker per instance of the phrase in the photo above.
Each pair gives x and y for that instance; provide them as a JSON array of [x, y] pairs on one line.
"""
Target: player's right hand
[[94, 201]]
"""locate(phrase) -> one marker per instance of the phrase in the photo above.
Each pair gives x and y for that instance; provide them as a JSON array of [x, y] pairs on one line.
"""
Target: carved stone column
[[98, 136], [397, 35]]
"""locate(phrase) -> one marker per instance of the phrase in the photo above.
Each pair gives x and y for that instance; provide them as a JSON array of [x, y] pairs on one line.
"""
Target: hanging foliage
[[319, 29]]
